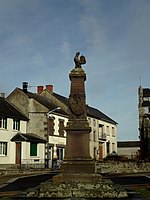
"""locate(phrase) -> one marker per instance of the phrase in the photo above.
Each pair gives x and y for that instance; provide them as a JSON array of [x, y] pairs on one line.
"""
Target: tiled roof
[[93, 112], [8, 110], [146, 92]]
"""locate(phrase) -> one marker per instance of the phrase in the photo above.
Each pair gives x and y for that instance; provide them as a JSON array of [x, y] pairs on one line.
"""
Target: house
[[45, 121], [128, 149], [16, 145], [48, 121], [144, 121], [103, 137]]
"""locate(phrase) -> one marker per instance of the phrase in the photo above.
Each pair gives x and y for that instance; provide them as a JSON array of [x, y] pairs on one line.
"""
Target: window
[[61, 127], [113, 147], [94, 122], [89, 120], [101, 130], [60, 153], [108, 147], [107, 130], [113, 131], [94, 136], [51, 126], [16, 124], [3, 148], [3, 122], [33, 149]]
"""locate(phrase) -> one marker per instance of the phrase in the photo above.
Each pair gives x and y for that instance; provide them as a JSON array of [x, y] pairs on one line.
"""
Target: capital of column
[[77, 72]]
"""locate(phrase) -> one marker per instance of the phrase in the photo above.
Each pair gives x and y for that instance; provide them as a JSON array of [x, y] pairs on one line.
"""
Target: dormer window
[[16, 124], [3, 122]]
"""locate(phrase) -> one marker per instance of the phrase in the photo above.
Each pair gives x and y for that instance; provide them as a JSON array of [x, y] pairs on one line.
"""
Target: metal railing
[[102, 136], [32, 163]]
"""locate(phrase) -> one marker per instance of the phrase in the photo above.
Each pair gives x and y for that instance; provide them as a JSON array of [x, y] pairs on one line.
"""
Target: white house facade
[[103, 138], [7, 131], [15, 143]]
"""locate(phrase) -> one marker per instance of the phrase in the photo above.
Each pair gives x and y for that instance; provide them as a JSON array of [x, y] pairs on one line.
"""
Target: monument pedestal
[[78, 166], [78, 178], [78, 190]]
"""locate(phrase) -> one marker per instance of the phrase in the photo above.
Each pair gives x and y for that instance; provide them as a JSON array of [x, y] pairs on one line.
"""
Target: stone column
[[77, 155]]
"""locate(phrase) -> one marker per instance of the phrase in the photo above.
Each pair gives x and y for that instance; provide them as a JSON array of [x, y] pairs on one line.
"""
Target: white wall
[[129, 152], [110, 130], [5, 136]]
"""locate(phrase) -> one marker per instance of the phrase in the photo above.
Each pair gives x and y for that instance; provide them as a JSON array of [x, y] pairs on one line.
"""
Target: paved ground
[[5, 179], [134, 185], [12, 183]]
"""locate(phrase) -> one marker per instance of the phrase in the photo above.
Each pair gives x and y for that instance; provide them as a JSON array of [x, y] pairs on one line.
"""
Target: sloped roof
[[22, 137], [45, 101], [146, 92], [8, 110], [127, 144], [61, 98], [93, 112]]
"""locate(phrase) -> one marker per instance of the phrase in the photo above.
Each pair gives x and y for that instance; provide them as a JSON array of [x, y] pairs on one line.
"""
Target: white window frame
[[16, 124], [3, 148], [3, 122]]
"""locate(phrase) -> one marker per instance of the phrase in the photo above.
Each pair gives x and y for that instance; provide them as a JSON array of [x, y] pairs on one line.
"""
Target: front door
[[100, 151], [18, 153]]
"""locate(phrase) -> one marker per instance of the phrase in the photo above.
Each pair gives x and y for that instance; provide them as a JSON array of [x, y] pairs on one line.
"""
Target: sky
[[39, 39]]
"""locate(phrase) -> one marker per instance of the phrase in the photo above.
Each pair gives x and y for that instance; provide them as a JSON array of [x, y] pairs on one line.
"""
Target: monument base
[[76, 178], [79, 190], [78, 166]]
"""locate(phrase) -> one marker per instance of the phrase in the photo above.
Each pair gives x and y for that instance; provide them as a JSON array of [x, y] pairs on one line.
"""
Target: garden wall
[[122, 167]]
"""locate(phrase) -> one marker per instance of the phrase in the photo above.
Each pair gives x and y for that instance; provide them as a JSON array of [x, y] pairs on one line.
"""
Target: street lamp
[[53, 110]]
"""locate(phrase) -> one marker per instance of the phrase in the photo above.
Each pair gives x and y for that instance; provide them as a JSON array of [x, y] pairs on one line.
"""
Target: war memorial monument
[[77, 178]]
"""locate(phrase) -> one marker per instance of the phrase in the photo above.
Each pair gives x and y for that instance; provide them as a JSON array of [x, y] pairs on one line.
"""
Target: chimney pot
[[40, 89], [49, 88], [2, 95], [25, 86]]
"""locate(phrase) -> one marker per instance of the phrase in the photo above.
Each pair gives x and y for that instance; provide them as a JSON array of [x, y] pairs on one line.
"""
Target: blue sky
[[39, 38]]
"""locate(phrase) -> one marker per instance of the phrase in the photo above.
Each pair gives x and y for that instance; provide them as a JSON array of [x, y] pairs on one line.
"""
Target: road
[[24, 183], [132, 180], [132, 184]]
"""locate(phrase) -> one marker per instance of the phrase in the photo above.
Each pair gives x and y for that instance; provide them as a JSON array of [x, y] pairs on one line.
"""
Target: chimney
[[25, 86], [2, 95], [39, 89], [49, 88]]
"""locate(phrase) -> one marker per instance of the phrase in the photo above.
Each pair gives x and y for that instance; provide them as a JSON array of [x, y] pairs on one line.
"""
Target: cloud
[[39, 40], [65, 48], [92, 27]]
